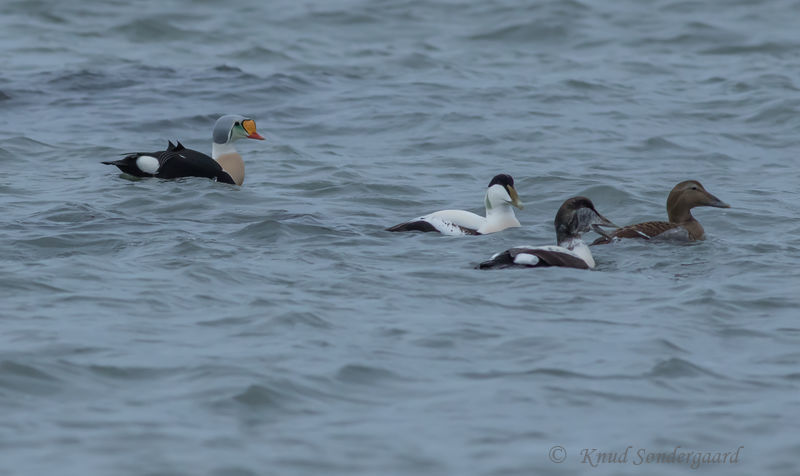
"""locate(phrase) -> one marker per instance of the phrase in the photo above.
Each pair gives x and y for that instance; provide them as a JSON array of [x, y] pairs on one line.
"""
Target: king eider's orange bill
[[250, 127]]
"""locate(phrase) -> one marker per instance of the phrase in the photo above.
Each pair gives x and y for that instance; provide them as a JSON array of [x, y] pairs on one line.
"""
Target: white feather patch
[[526, 259], [579, 250], [147, 164], [444, 226], [452, 222]]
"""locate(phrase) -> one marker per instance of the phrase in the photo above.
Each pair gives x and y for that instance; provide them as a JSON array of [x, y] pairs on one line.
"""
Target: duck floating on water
[[224, 165], [682, 226], [500, 198], [575, 216]]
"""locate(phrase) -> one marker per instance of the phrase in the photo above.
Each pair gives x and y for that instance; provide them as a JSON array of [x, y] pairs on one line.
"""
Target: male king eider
[[500, 197], [575, 216], [224, 165], [681, 226]]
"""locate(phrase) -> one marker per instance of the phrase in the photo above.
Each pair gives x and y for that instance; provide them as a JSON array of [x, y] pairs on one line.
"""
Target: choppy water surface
[[189, 327]]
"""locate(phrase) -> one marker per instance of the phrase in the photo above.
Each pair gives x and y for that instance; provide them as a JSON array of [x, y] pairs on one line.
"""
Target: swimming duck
[[575, 216], [500, 197], [224, 165], [681, 226]]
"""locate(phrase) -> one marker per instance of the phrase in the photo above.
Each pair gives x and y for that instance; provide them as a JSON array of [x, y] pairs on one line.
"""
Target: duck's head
[[501, 192], [687, 195], [578, 215], [233, 127]]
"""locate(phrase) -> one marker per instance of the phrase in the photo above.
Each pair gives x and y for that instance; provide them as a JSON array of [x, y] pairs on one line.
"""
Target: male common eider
[[681, 226], [224, 165], [500, 197], [576, 215]]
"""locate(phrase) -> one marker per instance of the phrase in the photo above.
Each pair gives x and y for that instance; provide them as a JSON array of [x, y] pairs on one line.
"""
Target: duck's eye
[[694, 188]]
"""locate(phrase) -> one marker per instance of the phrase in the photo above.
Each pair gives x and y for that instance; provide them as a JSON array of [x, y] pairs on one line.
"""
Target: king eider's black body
[[225, 164], [174, 162]]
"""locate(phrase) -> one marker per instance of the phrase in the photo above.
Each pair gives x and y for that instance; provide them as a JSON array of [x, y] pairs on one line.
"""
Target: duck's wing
[[143, 164], [446, 222], [414, 225], [174, 162], [190, 163], [534, 257], [646, 231]]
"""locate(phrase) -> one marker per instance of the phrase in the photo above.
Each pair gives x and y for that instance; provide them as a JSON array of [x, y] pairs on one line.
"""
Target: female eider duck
[[224, 165], [500, 197], [576, 215], [681, 226]]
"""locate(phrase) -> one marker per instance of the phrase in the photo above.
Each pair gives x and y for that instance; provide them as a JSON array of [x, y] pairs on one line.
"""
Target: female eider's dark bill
[[682, 226], [500, 197], [576, 215], [224, 165]]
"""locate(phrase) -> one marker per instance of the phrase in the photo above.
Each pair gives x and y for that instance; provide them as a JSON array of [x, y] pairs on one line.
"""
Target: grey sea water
[[188, 327]]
